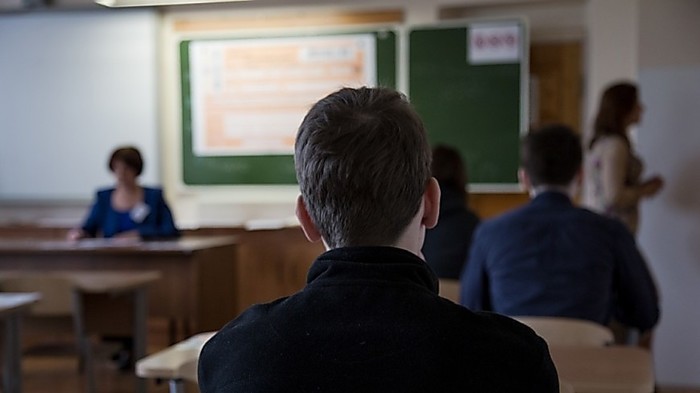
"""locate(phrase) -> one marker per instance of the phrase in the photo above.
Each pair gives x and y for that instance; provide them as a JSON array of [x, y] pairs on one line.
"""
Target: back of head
[[363, 162], [448, 169], [616, 104], [551, 155]]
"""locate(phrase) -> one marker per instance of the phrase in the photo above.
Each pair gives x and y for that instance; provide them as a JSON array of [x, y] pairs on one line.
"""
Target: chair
[[449, 289], [99, 300], [562, 331], [176, 364], [565, 387], [102, 302]]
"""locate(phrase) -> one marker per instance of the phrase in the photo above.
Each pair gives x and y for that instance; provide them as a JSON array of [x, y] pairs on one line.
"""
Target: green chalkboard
[[259, 169], [475, 108]]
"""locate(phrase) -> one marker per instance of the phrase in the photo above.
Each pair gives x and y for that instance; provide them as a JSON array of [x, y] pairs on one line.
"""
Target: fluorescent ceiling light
[[149, 3]]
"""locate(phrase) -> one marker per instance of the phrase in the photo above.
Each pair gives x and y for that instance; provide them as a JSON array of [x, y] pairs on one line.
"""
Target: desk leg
[[83, 339], [140, 317], [176, 386], [13, 355]]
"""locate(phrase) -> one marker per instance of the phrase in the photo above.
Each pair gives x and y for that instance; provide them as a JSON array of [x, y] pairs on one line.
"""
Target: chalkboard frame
[[506, 181]]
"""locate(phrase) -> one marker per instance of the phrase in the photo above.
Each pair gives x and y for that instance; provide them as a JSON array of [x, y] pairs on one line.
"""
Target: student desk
[[196, 291], [605, 369], [12, 305], [177, 363]]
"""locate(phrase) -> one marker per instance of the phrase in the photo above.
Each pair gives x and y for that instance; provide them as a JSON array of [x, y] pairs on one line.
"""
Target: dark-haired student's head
[[363, 165], [551, 156], [126, 164], [448, 168]]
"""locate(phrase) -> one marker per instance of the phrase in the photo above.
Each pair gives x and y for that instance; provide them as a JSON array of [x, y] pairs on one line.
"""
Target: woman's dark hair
[[130, 156], [616, 104], [448, 168]]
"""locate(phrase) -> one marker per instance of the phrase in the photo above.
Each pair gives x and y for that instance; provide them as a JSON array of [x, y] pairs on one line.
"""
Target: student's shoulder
[[248, 324], [609, 225], [150, 190], [611, 144], [502, 222], [104, 192], [494, 328]]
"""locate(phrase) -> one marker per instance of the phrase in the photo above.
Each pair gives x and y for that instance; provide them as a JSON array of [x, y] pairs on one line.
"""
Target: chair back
[[449, 289], [569, 331], [565, 387]]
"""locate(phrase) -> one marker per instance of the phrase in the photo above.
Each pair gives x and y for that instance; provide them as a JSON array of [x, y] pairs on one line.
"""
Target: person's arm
[[474, 288], [614, 160], [161, 224], [637, 302], [95, 219]]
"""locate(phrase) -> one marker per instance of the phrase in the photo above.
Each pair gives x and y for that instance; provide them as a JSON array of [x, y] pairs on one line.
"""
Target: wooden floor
[[52, 365]]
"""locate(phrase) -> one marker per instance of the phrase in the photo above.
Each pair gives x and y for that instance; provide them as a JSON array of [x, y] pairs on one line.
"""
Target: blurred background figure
[[127, 209], [447, 245], [613, 184]]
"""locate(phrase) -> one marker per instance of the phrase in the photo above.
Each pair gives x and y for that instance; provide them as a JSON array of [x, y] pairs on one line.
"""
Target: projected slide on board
[[248, 96]]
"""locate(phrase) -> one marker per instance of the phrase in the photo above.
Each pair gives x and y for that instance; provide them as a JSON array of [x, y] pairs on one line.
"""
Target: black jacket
[[370, 320], [446, 246]]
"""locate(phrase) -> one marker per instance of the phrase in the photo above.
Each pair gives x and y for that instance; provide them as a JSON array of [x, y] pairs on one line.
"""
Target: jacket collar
[[552, 197], [372, 263]]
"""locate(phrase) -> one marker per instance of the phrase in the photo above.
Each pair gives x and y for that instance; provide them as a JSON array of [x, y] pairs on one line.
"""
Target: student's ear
[[524, 180], [307, 224], [431, 204]]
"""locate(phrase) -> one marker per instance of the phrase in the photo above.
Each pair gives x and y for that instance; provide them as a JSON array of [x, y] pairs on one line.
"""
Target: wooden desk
[[11, 307], [130, 285], [197, 289], [176, 363], [614, 369]]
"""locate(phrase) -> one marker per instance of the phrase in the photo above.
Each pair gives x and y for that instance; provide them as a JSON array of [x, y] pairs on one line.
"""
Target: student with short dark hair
[[447, 244], [550, 258], [370, 318]]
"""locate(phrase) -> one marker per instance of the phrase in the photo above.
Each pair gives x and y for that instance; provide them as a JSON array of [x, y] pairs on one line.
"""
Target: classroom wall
[[669, 142], [611, 48], [73, 85], [654, 41]]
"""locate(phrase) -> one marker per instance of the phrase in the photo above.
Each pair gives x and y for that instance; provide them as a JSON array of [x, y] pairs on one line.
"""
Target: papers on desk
[[103, 242], [271, 223]]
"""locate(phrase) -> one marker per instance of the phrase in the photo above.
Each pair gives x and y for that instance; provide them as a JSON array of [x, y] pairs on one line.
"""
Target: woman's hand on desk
[[76, 234]]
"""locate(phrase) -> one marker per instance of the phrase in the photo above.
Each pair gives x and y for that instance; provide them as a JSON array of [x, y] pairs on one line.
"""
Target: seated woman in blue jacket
[[128, 209]]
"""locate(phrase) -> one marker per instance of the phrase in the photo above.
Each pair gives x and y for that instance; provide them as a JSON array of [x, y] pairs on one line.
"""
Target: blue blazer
[[104, 220], [550, 258]]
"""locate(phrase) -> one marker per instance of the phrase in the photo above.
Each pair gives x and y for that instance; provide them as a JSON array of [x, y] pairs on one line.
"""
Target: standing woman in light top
[[613, 184], [128, 209]]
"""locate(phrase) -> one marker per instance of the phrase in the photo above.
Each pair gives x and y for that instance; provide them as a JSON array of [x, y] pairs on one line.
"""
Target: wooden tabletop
[[104, 281], [13, 301], [605, 369], [176, 362], [114, 245]]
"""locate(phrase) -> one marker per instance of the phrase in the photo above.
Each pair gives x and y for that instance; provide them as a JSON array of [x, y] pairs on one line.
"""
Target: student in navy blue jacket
[[551, 258], [370, 318], [128, 209]]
